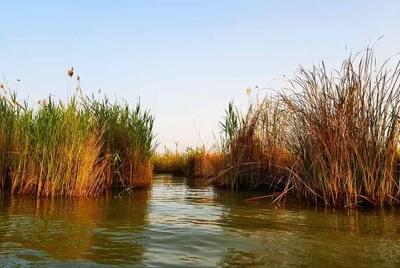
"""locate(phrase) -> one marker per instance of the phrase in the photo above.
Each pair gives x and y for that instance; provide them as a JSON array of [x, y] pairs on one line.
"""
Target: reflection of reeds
[[314, 237], [60, 228], [77, 229], [73, 149]]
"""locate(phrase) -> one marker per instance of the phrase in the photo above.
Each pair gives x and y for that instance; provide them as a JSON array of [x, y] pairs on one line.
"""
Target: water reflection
[[180, 223], [298, 236], [105, 230]]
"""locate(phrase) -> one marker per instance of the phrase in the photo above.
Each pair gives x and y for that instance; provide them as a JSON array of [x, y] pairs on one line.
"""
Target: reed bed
[[80, 148], [128, 141], [172, 162], [8, 117], [194, 162], [345, 133], [332, 139], [254, 147]]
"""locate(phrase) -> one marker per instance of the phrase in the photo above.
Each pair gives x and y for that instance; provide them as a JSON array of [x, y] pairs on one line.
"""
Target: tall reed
[[193, 162], [128, 141], [8, 115], [56, 152], [80, 148], [254, 147], [345, 133]]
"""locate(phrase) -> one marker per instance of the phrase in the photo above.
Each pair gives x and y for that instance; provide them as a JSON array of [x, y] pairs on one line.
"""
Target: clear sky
[[185, 59]]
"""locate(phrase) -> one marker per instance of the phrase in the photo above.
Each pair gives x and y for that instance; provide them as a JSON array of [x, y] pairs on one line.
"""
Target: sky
[[184, 60]]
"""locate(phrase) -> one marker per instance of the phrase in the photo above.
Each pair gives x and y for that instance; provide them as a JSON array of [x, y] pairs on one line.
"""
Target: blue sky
[[184, 59]]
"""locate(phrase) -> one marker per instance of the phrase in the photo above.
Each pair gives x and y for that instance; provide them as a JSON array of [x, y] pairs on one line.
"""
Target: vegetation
[[80, 148], [194, 162], [332, 139], [128, 141], [345, 134], [254, 147]]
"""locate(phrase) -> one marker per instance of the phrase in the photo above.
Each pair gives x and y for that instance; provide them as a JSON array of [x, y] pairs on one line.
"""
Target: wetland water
[[176, 224]]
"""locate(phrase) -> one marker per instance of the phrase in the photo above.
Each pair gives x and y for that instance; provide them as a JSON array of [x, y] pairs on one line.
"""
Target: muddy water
[[177, 224]]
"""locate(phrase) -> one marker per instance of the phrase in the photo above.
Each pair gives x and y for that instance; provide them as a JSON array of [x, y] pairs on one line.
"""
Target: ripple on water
[[178, 225]]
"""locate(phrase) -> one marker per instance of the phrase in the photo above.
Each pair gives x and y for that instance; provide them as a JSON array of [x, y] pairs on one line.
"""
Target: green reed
[[78, 148]]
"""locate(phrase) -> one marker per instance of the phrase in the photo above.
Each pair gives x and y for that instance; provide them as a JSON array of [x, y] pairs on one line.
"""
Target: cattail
[[248, 91], [78, 78], [42, 102], [71, 72]]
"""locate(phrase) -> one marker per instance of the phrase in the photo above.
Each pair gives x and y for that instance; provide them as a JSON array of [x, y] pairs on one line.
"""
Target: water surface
[[178, 224]]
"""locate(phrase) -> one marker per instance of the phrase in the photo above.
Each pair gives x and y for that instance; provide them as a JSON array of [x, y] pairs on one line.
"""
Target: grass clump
[[80, 148], [345, 134], [194, 162], [128, 141], [8, 116], [254, 147], [333, 139], [172, 162], [56, 152]]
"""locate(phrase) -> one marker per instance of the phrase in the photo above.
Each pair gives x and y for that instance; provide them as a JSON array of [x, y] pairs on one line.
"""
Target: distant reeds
[[194, 162], [80, 148], [172, 162]]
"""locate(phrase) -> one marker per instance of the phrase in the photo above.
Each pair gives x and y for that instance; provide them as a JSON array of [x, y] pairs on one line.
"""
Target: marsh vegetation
[[84, 147], [332, 138]]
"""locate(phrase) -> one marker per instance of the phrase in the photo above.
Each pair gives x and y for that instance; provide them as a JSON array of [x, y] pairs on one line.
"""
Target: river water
[[179, 224]]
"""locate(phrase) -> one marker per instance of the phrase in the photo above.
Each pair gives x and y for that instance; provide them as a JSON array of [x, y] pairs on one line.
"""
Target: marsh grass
[[128, 141], [345, 133], [254, 147], [8, 117], [193, 162], [172, 162], [332, 139], [56, 152], [79, 148]]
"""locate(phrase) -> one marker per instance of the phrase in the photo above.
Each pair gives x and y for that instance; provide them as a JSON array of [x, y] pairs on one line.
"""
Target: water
[[176, 224]]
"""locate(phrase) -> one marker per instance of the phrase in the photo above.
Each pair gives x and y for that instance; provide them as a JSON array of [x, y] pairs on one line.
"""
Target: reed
[[8, 117], [194, 162], [332, 139], [78, 148], [344, 131], [172, 162], [56, 152], [254, 147], [128, 141]]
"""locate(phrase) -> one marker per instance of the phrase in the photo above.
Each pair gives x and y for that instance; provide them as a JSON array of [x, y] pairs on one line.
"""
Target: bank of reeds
[[345, 133], [333, 139], [127, 141], [8, 116], [254, 147], [194, 162], [73, 149]]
